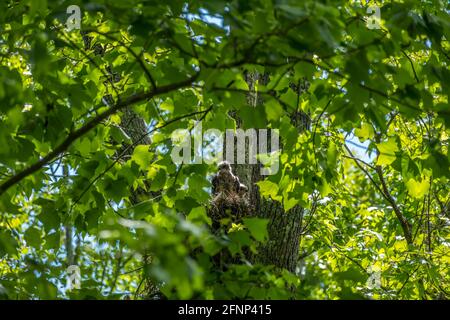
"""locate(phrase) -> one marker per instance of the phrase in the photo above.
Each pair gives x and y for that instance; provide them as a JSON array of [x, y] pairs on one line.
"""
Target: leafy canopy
[[66, 195]]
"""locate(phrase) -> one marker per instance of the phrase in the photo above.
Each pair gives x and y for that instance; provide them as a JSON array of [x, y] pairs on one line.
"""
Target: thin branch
[[315, 129], [406, 226], [387, 195], [364, 170], [412, 66], [362, 161], [407, 279]]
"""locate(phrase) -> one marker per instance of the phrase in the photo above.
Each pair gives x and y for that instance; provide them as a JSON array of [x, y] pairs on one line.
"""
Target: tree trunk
[[284, 228], [136, 128]]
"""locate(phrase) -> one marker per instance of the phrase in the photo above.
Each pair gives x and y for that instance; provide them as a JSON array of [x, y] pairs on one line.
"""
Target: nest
[[228, 208]]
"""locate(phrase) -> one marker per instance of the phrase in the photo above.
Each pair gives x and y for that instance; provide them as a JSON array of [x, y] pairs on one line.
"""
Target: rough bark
[[284, 228], [136, 128]]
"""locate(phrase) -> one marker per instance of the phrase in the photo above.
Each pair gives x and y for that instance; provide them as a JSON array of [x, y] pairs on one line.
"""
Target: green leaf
[[116, 189], [8, 244], [418, 189], [142, 156], [387, 152], [52, 241], [352, 274], [268, 189], [365, 132], [289, 203], [48, 216], [257, 228], [119, 135], [33, 237], [239, 239], [199, 214]]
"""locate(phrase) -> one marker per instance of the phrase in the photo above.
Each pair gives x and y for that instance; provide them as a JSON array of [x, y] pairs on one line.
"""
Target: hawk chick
[[229, 201], [225, 181]]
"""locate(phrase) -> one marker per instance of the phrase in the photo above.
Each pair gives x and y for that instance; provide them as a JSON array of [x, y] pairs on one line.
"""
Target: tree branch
[[89, 126], [387, 195], [406, 226]]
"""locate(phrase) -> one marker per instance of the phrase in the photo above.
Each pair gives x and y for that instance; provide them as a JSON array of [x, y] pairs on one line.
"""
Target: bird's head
[[243, 188], [224, 165]]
